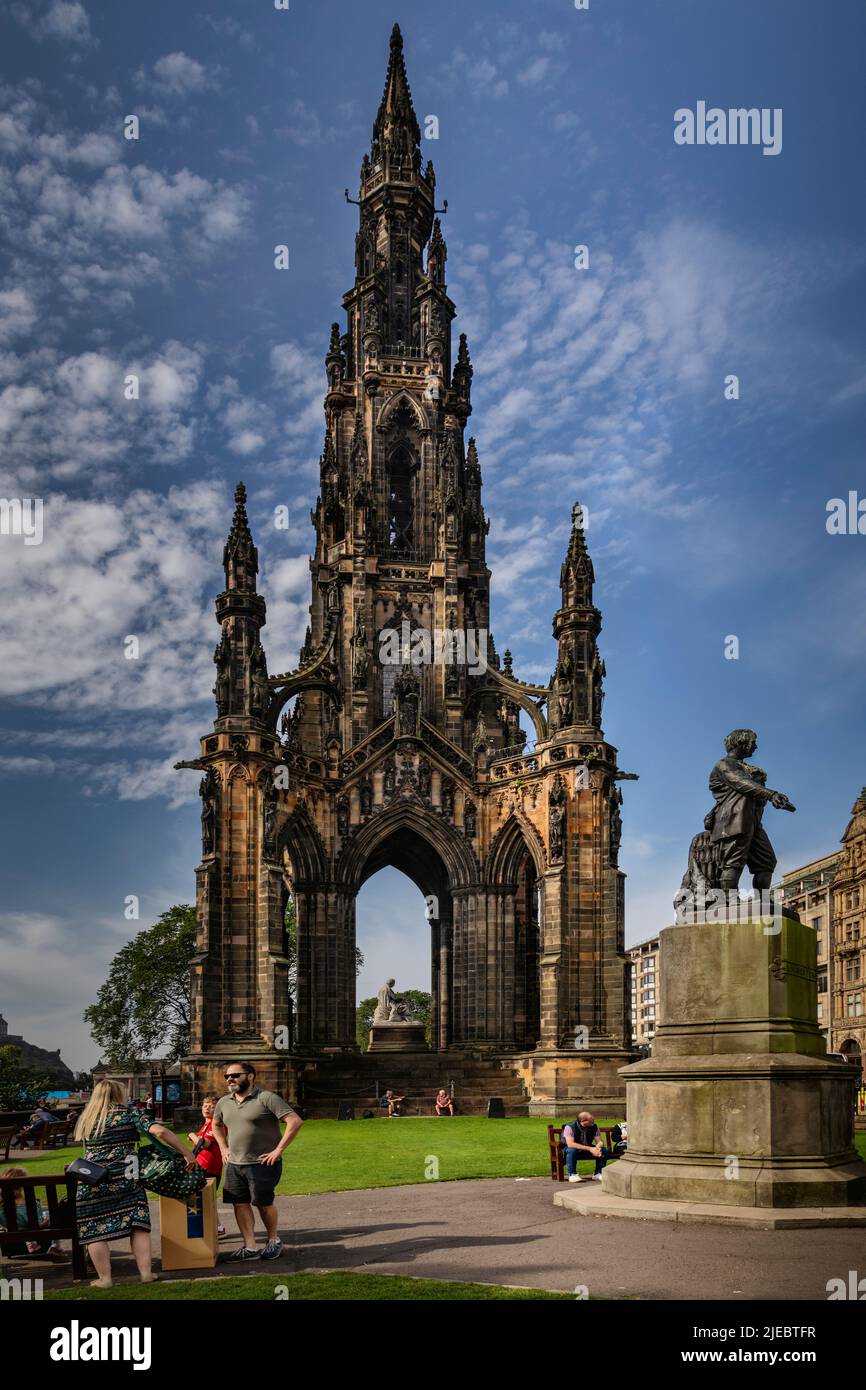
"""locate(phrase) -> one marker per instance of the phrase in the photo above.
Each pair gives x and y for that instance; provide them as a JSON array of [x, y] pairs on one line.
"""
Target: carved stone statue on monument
[[208, 791], [393, 1030], [391, 1008]]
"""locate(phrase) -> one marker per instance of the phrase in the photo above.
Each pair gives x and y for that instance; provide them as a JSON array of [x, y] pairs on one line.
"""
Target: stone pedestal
[[397, 1037], [563, 1083], [738, 1107]]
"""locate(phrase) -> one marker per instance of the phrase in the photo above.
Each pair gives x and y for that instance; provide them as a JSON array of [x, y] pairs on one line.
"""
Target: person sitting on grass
[[444, 1104], [30, 1247], [391, 1103], [582, 1137]]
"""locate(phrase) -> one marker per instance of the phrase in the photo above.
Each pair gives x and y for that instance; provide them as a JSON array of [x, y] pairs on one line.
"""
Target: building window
[[855, 1005], [820, 941], [820, 1009], [817, 923], [852, 968], [822, 981], [400, 521]]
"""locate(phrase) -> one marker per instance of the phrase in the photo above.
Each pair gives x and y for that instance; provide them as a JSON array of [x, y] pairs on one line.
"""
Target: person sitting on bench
[[391, 1103], [31, 1247], [619, 1138], [581, 1137], [38, 1120], [444, 1104]]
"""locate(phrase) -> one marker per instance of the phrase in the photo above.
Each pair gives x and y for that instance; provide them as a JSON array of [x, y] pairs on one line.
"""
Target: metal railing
[[400, 350]]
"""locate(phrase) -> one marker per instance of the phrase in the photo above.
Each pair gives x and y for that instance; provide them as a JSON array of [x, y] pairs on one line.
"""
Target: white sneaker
[[575, 1177], [596, 1177]]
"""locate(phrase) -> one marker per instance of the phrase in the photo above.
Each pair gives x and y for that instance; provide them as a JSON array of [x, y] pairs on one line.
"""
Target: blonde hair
[[106, 1096], [15, 1173]]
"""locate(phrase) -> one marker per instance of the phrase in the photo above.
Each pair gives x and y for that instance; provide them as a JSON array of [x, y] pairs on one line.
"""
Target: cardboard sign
[[189, 1231]]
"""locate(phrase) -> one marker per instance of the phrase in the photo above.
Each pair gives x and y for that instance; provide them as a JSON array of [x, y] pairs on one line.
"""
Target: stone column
[[326, 969]]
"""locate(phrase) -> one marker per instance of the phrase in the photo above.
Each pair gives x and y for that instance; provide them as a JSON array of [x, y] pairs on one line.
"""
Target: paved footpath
[[507, 1231]]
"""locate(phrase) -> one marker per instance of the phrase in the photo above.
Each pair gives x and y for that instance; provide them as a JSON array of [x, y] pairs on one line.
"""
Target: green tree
[[20, 1086], [144, 1005], [364, 1021], [420, 1007]]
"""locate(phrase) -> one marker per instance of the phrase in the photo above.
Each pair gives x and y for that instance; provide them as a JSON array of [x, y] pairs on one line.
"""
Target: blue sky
[[155, 256]]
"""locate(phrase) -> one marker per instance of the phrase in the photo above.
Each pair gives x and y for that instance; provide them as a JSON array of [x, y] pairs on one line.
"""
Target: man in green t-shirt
[[246, 1125]]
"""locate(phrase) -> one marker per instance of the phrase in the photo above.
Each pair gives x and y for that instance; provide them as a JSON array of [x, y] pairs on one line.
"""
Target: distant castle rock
[[48, 1064]]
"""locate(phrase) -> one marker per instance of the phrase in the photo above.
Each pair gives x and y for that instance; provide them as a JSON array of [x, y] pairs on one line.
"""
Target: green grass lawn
[[339, 1287], [341, 1156]]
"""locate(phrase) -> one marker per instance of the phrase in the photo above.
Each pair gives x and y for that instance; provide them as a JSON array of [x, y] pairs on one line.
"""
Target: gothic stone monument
[[315, 778], [738, 1115]]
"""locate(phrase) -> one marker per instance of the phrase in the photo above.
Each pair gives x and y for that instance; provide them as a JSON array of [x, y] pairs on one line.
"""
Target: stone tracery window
[[401, 525]]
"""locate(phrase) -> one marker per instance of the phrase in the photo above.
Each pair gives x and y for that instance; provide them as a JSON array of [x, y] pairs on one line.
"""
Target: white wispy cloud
[[176, 74], [65, 21], [147, 567], [480, 77], [107, 226], [64, 416]]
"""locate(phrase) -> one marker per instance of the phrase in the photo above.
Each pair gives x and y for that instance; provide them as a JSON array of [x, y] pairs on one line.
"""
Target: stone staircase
[[328, 1080]]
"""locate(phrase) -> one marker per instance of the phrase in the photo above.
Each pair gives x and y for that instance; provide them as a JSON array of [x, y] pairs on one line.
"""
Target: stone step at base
[[476, 1082], [328, 1110]]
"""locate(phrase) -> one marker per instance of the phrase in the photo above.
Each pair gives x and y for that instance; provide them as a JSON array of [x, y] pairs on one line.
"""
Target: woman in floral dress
[[109, 1128]]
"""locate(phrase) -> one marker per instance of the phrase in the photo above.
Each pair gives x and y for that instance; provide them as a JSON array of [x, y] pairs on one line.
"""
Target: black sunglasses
[[235, 1075]]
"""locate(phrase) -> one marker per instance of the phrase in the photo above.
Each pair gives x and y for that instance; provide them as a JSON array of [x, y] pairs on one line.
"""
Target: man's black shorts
[[251, 1183]]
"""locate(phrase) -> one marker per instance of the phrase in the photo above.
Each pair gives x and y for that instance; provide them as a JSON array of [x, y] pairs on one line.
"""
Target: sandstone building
[[830, 893], [317, 777], [809, 890]]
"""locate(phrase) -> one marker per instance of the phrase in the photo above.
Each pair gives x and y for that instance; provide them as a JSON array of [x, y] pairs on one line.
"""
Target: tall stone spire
[[578, 689], [577, 576], [395, 129], [241, 689], [240, 557]]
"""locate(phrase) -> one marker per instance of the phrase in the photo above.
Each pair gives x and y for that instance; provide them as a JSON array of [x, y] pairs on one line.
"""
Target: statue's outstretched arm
[[743, 783]]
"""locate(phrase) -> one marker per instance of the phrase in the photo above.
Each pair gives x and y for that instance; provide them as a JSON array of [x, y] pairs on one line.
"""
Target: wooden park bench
[[53, 1136], [7, 1134], [61, 1225], [555, 1151]]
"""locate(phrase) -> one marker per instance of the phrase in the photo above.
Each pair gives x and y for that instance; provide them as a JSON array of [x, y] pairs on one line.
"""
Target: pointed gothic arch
[[299, 838], [512, 842], [401, 400], [389, 829]]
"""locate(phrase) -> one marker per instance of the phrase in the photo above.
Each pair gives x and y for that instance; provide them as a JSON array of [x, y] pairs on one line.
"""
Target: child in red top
[[208, 1157]]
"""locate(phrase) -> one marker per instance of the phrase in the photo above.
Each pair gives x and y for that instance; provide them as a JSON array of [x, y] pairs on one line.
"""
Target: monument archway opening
[[393, 933], [417, 860]]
